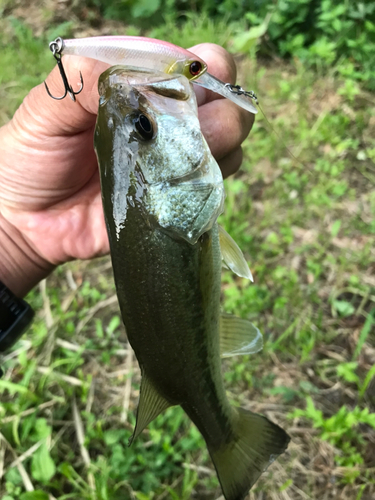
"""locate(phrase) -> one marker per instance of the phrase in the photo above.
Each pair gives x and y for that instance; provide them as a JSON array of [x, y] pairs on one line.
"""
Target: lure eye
[[195, 68], [144, 127]]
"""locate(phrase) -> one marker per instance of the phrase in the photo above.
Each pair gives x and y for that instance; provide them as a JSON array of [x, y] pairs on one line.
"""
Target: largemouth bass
[[162, 193]]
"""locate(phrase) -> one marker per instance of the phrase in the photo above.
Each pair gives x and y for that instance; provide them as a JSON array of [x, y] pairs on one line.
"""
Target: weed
[[342, 431]]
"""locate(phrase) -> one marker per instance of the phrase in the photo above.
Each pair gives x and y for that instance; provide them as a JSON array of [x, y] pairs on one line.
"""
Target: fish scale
[[157, 312]]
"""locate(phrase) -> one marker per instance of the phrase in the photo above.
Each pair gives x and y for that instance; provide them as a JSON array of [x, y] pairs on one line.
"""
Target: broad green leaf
[[13, 388], [141, 496], [343, 307], [34, 495], [113, 436], [244, 42], [42, 429], [145, 8], [42, 466], [336, 228], [347, 371]]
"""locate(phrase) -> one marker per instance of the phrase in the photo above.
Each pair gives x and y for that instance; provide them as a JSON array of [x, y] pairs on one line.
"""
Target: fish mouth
[[166, 85]]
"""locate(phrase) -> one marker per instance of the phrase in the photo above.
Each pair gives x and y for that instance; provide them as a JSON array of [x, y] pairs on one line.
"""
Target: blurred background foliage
[[320, 33]]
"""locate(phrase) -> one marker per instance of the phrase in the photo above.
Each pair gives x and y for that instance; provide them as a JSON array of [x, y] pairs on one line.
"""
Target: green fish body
[[162, 193]]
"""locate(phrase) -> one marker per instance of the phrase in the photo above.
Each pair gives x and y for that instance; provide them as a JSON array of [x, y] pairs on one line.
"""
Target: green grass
[[307, 229], [24, 62]]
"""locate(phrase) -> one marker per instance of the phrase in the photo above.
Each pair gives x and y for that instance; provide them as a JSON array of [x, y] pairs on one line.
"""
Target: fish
[[153, 54], [162, 193]]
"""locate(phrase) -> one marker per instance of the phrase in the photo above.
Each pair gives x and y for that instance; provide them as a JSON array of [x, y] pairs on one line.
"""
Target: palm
[[55, 199]]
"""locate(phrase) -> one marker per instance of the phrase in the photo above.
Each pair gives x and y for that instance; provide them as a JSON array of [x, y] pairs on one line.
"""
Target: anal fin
[[150, 405], [238, 336]]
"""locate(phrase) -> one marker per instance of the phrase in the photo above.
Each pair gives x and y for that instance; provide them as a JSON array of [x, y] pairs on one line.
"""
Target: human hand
[[50, 201]]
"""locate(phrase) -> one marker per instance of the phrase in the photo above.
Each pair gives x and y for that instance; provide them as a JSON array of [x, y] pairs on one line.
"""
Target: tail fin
[[239, 463]]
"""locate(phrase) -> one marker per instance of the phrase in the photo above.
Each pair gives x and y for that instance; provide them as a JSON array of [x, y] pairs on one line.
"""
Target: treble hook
[[237, 89], [56, 48]]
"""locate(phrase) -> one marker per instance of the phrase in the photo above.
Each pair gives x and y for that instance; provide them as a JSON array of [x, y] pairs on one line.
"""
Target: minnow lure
[[150, 54]]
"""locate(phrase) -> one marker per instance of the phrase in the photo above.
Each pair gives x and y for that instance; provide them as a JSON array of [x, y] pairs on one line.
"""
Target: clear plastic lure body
[[152, 54]]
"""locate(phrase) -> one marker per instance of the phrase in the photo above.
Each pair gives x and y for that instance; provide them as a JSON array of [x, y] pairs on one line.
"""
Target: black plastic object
[[15, 317]]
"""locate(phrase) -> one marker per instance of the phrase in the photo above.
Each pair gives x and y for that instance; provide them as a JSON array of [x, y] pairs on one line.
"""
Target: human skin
[[50, 202]]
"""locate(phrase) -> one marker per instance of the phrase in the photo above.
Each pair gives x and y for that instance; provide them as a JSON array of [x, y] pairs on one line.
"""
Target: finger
[[65, 117], [220, 64], [231, 163], [224, 125]]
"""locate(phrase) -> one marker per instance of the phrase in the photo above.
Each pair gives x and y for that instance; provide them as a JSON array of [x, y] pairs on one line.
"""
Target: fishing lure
[[151, 54]]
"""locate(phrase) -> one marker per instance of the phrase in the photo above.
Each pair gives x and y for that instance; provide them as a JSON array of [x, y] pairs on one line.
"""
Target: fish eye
[[195, 68], [144, 127]]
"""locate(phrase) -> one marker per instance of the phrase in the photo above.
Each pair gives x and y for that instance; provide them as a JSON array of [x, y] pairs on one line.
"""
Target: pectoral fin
[[232, 255], [238, 337], [150, 405]]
